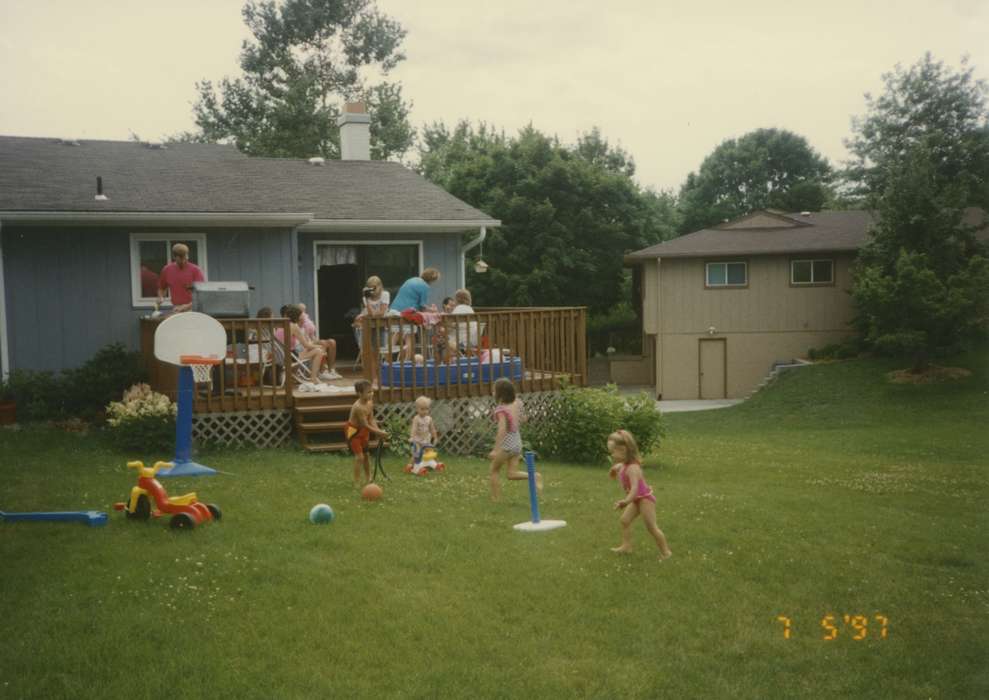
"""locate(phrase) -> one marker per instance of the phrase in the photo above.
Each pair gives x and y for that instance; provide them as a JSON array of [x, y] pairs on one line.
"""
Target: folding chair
[[276, 359], [268, 363]]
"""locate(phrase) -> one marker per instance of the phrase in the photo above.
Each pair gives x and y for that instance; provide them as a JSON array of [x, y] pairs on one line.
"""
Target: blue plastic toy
[[93, 518]]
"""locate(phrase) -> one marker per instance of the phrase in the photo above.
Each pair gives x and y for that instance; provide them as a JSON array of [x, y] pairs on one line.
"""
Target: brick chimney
[[355, 132]]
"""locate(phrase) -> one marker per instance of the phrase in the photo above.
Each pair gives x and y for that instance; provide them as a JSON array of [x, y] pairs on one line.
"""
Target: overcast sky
[[668, 80]]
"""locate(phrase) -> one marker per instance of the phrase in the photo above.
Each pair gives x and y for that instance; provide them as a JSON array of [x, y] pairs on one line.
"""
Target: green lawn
[[830, 493]]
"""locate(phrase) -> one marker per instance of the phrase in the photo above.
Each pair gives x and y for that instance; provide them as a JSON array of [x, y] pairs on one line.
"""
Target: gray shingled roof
[[44, 175], [818, 231]]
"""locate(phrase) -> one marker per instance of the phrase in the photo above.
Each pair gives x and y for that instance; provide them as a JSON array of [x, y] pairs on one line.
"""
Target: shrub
[[837, 351], [81, 392], [102, 378], [398, 435], [585, 417], [144, 420], [39, 395]]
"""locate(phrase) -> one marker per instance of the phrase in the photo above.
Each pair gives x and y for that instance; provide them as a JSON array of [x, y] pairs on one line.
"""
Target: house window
[[809, 272], [726, 274], [150, 252]]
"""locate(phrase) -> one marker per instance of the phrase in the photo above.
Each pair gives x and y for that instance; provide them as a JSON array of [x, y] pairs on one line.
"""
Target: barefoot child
[[359, 427], [422, 434], [638, 496], [508, 441]]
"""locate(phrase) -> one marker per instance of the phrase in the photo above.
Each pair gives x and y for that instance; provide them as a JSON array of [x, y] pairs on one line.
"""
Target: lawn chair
[[273, 360], [268, 363]]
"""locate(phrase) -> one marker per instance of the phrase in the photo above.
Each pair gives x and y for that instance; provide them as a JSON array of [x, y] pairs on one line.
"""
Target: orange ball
[[371, 492]]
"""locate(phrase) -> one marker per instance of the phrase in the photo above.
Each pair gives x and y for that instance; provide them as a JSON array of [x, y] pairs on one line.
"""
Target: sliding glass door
[[341, 270]]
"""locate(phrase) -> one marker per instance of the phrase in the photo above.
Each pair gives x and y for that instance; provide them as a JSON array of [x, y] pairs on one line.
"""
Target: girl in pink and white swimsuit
[[638, 498], [508, 441]]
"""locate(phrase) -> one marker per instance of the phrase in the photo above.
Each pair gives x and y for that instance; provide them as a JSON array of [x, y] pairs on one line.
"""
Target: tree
[[931, 106], [766, 168], [305, 58], [568, 212], [922, 282]]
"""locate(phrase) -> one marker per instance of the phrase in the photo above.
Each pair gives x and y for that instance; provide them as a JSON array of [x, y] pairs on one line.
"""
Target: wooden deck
[[455, 356], [538, 348]]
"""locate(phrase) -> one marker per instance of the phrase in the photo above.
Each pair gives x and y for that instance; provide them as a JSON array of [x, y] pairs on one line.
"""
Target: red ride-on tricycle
[[186, 511]]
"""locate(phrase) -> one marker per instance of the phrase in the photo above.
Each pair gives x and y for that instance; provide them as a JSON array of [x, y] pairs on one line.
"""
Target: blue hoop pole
[[183, 464], [183, 420], [530, 465]]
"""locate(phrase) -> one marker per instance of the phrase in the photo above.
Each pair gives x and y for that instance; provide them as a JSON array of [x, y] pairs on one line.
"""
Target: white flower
[[139, 403]]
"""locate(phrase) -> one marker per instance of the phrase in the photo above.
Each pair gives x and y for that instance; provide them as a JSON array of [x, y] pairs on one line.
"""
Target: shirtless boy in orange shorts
[[358, 430]]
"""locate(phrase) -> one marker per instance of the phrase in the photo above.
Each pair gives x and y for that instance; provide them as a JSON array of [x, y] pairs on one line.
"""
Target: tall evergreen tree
[[929, 105], [305, 59], [922, 282]]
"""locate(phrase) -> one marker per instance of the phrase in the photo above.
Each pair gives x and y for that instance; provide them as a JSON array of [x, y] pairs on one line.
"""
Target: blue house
[[86, 226]]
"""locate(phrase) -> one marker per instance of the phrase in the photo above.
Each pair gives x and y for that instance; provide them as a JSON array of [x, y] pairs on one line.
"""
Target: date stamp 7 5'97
[[854, 626]]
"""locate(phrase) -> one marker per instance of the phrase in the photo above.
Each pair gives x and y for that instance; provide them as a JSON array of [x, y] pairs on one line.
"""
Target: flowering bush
[[144, 420]]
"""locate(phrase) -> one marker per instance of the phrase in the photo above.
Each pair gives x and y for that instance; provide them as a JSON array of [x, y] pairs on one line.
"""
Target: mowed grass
[[833, 492]]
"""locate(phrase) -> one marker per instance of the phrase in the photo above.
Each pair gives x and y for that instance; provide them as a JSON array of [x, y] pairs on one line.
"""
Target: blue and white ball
[[321, 514]]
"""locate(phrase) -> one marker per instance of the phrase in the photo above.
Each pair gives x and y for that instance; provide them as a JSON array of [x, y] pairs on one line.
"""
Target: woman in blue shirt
[[413, 294]]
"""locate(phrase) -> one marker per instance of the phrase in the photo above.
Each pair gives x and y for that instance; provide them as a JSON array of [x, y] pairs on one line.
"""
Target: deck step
[[310, 410], [322, 426], [336, 400]]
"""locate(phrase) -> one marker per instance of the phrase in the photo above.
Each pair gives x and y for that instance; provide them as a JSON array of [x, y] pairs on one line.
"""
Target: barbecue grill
[[222, 299]]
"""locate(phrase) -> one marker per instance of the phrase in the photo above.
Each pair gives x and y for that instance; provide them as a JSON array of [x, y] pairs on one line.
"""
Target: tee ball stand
[[536, 525]]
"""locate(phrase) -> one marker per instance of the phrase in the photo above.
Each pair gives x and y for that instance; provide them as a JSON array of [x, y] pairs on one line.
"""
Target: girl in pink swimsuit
[[638, 496]]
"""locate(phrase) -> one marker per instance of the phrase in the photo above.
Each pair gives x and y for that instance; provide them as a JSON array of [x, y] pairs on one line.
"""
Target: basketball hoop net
[[202, 367]]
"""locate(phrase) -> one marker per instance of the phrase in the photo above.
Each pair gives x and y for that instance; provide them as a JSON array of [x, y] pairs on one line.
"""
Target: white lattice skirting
[[465, 424], [271, 428]]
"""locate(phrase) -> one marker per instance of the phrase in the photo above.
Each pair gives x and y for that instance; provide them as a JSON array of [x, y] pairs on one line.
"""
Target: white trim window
[[150, 252], [726, 274], [811, 271]]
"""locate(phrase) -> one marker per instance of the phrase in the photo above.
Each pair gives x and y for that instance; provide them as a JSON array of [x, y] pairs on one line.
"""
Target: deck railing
[[461, 355], [251, 377], [256, 373]]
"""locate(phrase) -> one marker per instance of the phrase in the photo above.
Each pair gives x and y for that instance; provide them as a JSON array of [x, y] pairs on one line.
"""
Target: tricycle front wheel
[[142, 510]]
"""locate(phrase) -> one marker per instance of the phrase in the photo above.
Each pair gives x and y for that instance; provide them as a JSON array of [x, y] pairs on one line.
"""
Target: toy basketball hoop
[[195, 343]]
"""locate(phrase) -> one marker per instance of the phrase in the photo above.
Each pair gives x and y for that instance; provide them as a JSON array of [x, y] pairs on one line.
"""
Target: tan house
[[723, 305]]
